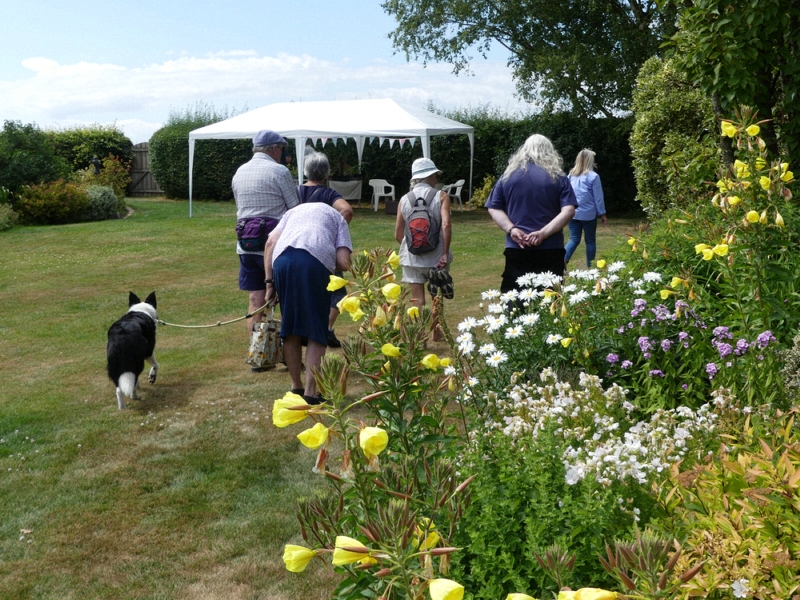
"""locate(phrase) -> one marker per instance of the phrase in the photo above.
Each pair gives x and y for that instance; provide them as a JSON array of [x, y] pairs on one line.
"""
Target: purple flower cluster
[[656, 373], [626, 364], [764, 339], [638, 306], [741, 347], [722, 333], [662, 313], [711, 369], [645, 346], [612, 358], [666, 345], [684, 338]]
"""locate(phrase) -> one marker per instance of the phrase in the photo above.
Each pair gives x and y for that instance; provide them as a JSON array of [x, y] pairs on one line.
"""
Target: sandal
[[314, 400], [447, 284], [298, 391], [433, 282]]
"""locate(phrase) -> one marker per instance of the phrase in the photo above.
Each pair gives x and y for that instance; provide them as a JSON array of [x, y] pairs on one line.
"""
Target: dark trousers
[[521, 261]]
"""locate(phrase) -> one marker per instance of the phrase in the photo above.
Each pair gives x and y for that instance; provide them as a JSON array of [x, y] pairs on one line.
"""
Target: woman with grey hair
[[591, 205], [316, 169], [531, 203]]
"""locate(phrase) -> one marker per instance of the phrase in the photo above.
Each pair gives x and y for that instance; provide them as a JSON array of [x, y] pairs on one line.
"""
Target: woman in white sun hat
[[425, 252]]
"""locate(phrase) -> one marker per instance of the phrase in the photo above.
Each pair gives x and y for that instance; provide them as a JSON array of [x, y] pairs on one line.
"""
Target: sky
[[65, 63]]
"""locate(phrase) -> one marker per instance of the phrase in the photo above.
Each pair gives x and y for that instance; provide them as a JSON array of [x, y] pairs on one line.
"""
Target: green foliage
[[743, 52], [740, 512], [582, 56], [673, 141], [102, 203], [8, 218], [481, 194], [115, 174], [215, 161], [27, 157], [52, 203], [791, 371], [77, 145]]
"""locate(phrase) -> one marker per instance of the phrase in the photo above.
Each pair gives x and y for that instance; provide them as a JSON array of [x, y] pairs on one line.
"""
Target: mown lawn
[[189, 492]]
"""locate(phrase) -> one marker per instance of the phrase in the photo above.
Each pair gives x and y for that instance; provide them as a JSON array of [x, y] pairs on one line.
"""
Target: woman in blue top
[[589, 192]]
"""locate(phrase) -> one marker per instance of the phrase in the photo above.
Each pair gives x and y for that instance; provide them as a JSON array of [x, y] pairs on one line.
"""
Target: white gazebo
[[358, 119]]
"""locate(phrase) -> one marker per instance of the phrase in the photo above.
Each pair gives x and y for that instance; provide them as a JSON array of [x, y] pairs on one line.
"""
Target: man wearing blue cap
[[264, 190]]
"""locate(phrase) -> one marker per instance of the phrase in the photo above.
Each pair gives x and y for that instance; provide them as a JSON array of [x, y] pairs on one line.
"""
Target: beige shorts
[[418, 274]]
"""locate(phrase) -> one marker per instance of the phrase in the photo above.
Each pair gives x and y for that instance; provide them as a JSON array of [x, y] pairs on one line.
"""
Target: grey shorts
[[418, 274]]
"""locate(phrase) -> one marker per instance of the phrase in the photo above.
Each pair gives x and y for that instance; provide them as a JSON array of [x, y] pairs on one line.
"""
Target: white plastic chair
[[454, 191], [381, 188]]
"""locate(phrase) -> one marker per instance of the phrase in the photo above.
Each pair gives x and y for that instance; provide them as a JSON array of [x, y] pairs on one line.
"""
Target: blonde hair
[[584, 163], [540, 151]]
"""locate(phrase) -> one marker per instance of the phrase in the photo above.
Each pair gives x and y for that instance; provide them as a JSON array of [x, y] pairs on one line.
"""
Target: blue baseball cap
[[267, 137]]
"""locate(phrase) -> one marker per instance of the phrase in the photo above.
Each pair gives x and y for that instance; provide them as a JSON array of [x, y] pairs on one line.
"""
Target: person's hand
[[442, 262], [603, 219], [518, 237], [271, 297], [534, 238]]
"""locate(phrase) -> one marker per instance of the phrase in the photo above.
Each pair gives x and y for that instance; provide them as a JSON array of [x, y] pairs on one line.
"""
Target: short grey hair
[[267, 149], [540, 151], [316, 167]]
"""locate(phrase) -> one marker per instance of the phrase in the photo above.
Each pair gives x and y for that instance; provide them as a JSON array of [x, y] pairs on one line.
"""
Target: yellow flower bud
[[753, 130], [336, 283], [760, 163], [431, 361], [778, 219], [393, 260], [666, 294], [296, 558], [282, 416], [677, 281], [445, 589], [413, 313], [387, 367], [563, 310], [722, 185], [594, 594], [763, 218], [567, 341], [314, 438], [373, 440], [349, 556], [379, 320], [698, 248], [390, 350], [445, 362], [751, 216], [519, 597], [645, 254], [566, 595], [631, 241]]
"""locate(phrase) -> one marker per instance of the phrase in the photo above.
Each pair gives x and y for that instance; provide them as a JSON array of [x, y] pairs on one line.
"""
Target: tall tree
[[577, 54], [745, 52]]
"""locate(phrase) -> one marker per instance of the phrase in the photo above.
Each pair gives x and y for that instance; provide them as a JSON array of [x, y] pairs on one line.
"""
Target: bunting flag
[[391, 142], [411, 141], [335, 142], [324, 141], [370, 139], [402, 141], [380, 141]]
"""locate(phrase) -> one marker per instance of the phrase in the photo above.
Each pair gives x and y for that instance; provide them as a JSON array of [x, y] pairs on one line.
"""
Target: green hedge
[[27, 157], [215, 161], [77, 145]]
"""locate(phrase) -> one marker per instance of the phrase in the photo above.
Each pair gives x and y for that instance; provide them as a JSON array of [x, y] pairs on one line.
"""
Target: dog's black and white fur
[[131, 341]]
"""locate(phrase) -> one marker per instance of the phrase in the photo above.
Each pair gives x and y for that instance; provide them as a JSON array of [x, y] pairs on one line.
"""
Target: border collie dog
[[131, 341]]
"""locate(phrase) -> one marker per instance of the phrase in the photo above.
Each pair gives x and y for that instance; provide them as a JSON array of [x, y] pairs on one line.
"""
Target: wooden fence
[[142, 182]]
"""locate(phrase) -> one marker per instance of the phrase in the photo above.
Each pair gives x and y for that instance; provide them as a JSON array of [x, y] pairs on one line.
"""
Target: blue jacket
[[589, 193]]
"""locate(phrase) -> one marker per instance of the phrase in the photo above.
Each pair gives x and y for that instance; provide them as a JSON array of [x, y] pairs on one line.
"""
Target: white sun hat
[[422, 168]]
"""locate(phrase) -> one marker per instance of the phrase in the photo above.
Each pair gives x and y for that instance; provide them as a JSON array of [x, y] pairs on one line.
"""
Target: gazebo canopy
[[359, 119]]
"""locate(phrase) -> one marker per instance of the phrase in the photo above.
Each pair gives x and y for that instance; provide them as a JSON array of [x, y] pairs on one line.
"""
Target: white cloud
[[138, 99]]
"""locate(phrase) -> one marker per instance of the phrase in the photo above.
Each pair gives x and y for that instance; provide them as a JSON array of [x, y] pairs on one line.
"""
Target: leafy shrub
[[672, 143], [481, 194], [215, 161], [77, 145], [115, 174], [102, 203], [27, 157], [52, 203], [8, 218], [739, 513]]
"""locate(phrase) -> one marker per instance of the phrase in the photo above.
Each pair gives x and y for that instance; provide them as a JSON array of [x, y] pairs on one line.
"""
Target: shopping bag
[[266, 346]]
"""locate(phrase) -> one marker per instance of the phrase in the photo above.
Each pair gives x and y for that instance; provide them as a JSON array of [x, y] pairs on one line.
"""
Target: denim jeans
[[575, 229]]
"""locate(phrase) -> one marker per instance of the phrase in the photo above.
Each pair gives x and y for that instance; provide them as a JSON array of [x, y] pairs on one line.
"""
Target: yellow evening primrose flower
[[391, 291], [698, 248], [566, 595], [413, 313], [314, 438], [722, 186], [550, 294], [631, 241], [765, 182], [336, 283], [431, 361], [350, 556], [787, 176], [357, 315], [753, 130], [751, 216], [519, 597], [296, 558], [432, 538], [734, 200], [567, 341], [708, 254], [349, 304], [393, 260], [387, 367], [390, 350], [594, 594], [379, 320], [601, 264], [445, 589], [778, 219], [720, 249], [282, 416], [373, 440], [445, 362], [728, 129], [666, 294], [677, 281], [760, 163]]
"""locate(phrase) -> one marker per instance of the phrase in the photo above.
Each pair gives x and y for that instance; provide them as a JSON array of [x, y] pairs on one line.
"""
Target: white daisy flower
[[527, 294], [513, 332], [578, 297], [616, 266], [509, 296], [464, 337], [525, 280], [651, 277], [570, 288], [467, 324], [496, 359], [529, 320], [496, 308], [490, 294], [487, 349], [466, 348], [554, 338]]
